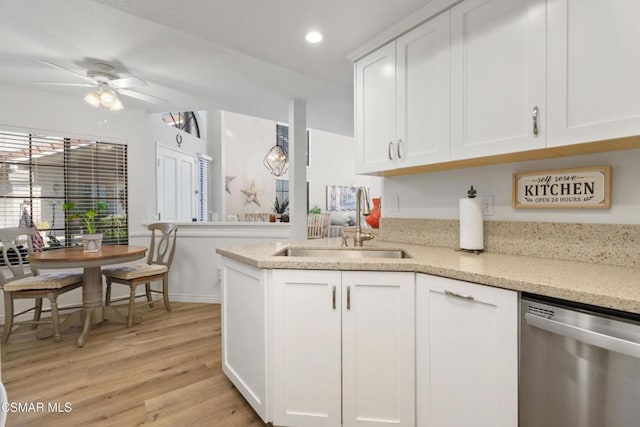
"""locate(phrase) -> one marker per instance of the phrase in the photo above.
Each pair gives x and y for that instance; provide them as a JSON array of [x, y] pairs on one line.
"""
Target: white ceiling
[[247, 56]]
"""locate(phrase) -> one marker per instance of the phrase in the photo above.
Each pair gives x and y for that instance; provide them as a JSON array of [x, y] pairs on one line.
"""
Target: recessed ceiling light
[[313, 37]]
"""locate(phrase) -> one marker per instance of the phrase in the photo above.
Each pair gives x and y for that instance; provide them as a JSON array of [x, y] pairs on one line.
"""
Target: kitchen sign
[[563, 188]]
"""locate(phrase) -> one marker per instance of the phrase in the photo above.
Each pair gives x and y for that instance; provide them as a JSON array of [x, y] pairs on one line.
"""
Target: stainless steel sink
[[343, 253]]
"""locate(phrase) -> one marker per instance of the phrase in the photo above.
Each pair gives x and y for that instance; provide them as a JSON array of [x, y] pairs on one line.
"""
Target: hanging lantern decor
[[276, 161]]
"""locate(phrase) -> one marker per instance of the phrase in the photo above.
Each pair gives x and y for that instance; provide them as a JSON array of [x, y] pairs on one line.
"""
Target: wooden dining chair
[[17, 283], [159, 260], [318, 225]]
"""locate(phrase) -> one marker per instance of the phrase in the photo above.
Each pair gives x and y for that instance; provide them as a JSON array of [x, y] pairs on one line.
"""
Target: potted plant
[[92, 240], [280, 208], [315, 210]]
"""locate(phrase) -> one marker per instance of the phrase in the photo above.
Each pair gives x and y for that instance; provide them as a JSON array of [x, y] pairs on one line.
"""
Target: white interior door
[[176, 185]]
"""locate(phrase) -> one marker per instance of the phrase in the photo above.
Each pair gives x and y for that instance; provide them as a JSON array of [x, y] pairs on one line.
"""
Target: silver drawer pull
[[348, 297], [334, 297], [457, 295], [399, 149], [390, 150], [535, 120]]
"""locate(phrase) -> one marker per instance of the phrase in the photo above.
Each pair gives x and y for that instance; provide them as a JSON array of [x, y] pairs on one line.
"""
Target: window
[[38, 174], [186, 121], [282, 139], [282, 191]]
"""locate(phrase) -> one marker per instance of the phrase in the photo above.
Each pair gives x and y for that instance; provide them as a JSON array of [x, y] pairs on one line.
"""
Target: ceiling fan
[[106, 86]]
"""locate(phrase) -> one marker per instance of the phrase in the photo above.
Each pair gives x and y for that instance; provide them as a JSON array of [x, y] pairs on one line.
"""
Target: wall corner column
[[298, 168]]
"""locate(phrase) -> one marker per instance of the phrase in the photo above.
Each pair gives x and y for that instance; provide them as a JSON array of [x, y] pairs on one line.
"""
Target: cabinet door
[[375, 113], [424, 93], [244, 332], [498, 76], [467, 354], [594, 69], [306, 348], [378, 353]]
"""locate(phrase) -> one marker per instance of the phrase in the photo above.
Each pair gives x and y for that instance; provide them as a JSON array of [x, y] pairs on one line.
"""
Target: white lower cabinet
[[316, 348], [307, 370], [343, 348], [466, 354], [245, 332]]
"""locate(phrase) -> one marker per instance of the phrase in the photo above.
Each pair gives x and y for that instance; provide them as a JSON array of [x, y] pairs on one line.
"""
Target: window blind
[[204, 189], [39, 173]]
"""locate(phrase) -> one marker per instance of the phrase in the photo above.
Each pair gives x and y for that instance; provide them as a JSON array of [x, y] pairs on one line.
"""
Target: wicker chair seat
[[131, 272], [44, 281]]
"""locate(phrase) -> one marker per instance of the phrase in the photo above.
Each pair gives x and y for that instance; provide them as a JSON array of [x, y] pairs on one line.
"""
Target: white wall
[[332, 162], [435, 195], [245, 141]]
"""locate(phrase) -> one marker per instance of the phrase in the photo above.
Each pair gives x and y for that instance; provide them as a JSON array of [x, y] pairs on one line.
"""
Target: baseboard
[[29, 316], [209, 299]]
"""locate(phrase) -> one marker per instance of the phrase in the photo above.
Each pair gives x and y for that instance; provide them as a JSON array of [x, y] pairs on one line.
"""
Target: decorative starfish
[[252, 194], [227, 180]]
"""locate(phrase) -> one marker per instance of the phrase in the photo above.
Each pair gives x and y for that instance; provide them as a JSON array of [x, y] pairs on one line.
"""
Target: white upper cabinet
[[403, 100], [376, 110], [498, 79], [423, 99], [594, 70]]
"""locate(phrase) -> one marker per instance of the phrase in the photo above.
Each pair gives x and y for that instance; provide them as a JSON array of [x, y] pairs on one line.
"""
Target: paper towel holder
[[471, 194], [470, 251]]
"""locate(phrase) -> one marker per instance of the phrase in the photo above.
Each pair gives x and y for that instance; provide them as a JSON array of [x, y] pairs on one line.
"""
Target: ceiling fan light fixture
[[117, 106], [108, 97], [93, 98]]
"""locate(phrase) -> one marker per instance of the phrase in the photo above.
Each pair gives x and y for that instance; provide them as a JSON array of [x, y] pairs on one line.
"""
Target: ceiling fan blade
[[66, 84], [142, 96], [75, 73], [127, 82]]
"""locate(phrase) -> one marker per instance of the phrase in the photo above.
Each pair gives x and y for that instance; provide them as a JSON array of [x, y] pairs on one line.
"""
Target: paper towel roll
[[471, 225]]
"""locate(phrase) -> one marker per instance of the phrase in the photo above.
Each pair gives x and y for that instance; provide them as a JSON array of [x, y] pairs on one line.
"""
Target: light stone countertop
[[596, 284]]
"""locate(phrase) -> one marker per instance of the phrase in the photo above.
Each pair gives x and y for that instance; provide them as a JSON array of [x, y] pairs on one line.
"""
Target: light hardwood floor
[[164, 371]]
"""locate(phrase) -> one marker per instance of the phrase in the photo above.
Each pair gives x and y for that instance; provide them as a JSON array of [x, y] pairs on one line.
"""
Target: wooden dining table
[[93, 308]]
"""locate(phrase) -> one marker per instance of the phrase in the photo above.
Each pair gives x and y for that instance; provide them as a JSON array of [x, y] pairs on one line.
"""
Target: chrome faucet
[[359, 236]]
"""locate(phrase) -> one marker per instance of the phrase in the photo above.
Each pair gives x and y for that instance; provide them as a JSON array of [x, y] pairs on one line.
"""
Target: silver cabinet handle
[[619, 345], [390, 150], [457, 295], [334, 297], [348, 297], [535, 120], [398, 149]]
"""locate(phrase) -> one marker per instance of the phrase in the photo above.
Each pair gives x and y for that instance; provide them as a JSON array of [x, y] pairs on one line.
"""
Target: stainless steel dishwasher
[[579, 365]]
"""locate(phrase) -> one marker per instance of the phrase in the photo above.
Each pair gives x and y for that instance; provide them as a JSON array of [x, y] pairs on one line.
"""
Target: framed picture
[[341, 197]]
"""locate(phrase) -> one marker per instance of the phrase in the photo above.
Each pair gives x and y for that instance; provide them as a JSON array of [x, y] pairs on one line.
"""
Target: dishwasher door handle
[[618, 345]]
